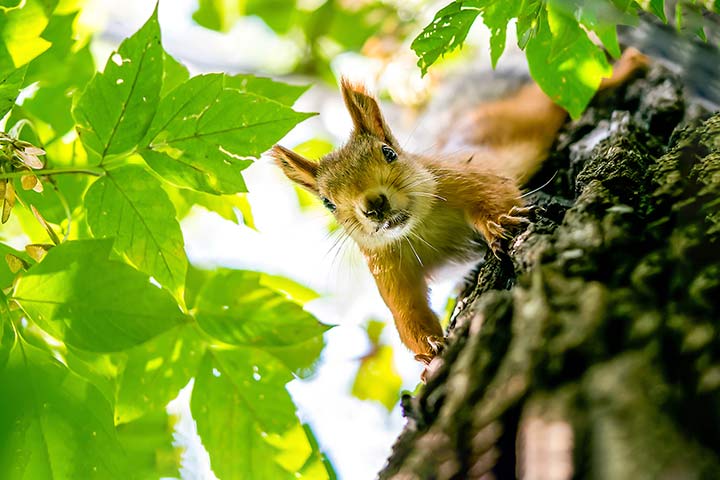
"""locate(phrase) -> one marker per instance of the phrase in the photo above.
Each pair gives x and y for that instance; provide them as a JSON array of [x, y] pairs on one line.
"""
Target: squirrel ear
[[365, 112], [297, 168]]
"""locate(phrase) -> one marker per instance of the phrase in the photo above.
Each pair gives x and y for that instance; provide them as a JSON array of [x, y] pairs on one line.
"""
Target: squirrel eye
[[328, 204], [389, 153]]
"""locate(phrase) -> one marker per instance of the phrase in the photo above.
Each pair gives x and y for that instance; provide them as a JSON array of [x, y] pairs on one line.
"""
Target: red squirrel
[[410, 213]]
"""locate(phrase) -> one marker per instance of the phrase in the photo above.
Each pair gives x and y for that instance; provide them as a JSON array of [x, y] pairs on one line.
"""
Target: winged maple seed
[[15, 263], [8, 199], [28, 154], [17, 156]]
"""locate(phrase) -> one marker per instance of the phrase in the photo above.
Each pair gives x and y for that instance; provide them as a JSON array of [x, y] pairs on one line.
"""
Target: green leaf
[[174, 74], [49, 67], [217, 15], [54, 424], [7, 332], [603, 19], [194, 283], [229, 207], [20, 30], [292, 289], [204, 134], [81, 297], [280, 15], [318, 466], [246, 418], [117, 106], [11, 80], [59, 72], [236, 308], [148, 442], [301, 358], [496, 17], [8, 4], [100, 369], [155, 372], [446, 32], [528, 21], [265, 87], [377, 378], [657, 7], [129, 205], [563, 60]]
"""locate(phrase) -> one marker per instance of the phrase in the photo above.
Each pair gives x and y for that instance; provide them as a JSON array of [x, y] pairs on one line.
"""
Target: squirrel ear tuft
[[296, 167], [365, 112]]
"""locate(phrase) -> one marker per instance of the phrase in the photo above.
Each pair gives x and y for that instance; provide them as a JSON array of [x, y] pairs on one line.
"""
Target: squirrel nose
[[376, 206]]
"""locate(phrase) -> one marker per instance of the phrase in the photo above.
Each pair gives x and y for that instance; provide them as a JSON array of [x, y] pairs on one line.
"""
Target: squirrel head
[[377, 191]]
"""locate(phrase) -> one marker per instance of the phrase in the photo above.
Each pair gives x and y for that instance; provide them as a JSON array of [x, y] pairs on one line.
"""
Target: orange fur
[[410, 214]]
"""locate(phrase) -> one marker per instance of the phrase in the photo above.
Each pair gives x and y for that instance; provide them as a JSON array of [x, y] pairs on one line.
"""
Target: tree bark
[[591, 350]]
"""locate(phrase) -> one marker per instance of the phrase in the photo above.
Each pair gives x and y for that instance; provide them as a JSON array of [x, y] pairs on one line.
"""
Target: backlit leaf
[[80, 296], [66, 67], [204, 134], [446, 32], [21, 29], [266, 87], [118, 104], [129, 205], [294, 290], [7, 332], [54, 424], [174, 73], [244, 416], [155, 371], [235, 208], [217, 15], [496, 17], [148, 443], [658, 8], [11, 80], [564, 62], [377, 378], [236, 308]]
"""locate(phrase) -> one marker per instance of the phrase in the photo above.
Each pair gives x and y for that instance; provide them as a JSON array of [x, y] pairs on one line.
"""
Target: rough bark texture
[[592, 349]]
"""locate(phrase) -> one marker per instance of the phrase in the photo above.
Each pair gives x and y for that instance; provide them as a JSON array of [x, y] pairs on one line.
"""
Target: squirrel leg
[[405, 294], [496, 230]]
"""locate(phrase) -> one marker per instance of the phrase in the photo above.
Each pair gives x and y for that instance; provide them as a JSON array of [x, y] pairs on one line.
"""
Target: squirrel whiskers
[[410, 214]]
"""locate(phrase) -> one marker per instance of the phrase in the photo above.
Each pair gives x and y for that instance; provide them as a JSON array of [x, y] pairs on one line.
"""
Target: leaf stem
[[97, 172]]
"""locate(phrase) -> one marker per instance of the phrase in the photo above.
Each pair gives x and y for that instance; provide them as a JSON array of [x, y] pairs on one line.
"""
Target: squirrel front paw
[[431, 360], [495, 231], [436, 345]]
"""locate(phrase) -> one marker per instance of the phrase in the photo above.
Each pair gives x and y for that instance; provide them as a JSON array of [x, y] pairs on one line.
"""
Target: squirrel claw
[[497, 249], [497, 230], [515, 211], [513, 221], [424, 358], [437, 344]]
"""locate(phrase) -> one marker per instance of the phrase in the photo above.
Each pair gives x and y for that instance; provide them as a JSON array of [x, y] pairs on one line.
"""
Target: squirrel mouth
[[394, 221]]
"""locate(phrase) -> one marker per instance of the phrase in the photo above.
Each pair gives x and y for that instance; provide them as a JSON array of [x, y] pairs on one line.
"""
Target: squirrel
[[410, 213]]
